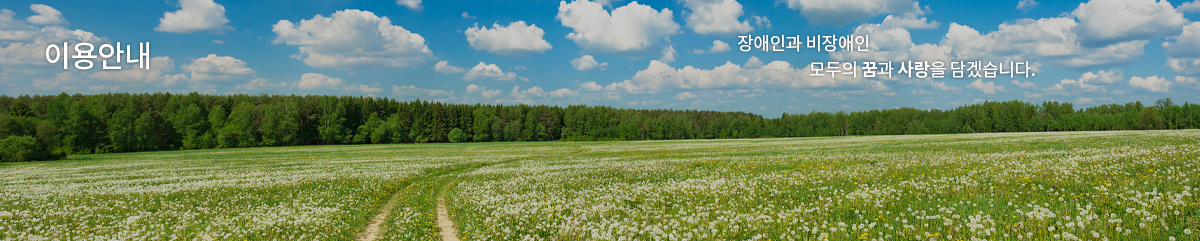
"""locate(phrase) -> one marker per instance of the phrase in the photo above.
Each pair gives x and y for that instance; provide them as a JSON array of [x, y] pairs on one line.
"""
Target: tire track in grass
[[376, 226], [449, 233]]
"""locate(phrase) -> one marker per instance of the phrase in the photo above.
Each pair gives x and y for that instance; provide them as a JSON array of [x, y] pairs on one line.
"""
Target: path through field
[[376, 224], [1119, 185], [449, 233]]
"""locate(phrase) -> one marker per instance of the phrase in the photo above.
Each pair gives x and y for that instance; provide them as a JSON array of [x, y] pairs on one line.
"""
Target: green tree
[[330, 130], [456, 135], [365, 131], [485, 117]]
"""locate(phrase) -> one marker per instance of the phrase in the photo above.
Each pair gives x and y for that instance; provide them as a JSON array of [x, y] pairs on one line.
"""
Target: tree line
[[52, 126]]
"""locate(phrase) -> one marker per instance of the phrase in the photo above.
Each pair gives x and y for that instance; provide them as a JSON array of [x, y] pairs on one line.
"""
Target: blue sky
[[613, 52]]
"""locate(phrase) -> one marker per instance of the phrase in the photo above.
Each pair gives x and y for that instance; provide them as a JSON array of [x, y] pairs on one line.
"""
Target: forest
[[41, 127]]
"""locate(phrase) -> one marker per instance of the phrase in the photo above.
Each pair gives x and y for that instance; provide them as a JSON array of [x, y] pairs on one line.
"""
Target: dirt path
[[376, 224], [449, 233]]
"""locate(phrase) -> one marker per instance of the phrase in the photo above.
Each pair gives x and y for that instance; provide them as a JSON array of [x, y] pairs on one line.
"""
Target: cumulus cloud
[[988, 88], [516, 38], [194, 16], [311, 81], [46, 15], [1152, 83], [1184, 66], [260, 84], [536, 92], [943, 86], [158, 74], [630, 30], [482, 91], [1024, 84], [762, 22], [839, 12], [218, 68], [587, 62], [1088, 101], [413, 90], [660, 77], [591, 86], [684, 95], [363, 88], [445, 68], [1186, 44], [411, 4], [1026, 5], [1103, 22], [718, 46], [718, 17], [485, 71], [1190, 7], [352, 38], [25, 44], [1090, 82], [668, 54]]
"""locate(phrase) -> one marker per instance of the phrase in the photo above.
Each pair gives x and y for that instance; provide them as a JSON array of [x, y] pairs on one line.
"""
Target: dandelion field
[[1136, 185]]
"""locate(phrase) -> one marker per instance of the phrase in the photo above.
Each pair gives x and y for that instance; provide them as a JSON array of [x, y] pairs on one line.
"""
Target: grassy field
[[1025, 186]]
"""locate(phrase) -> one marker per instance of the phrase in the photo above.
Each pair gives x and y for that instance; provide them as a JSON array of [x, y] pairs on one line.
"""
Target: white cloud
[[1090, 82], [411, 4], [1047, 39], [352, 38], [668, 55], [1152, 83], [685, 95], [908, 20], [1190, 7], [1184, 66], [943, 86], [535, 92], [445, 68], [516, 38], [482, 91], [194, 16], [412, 90], [1103, 22], [482, 71], [363, 88], [218, 41], [630, 30], [24, 44], [466, 15], [988, 88], [591, 86], [316, 80], [762, 22], [718, 46], [921, 92], [260, 84], [219, 68], [46, 15], [1088, 101], [1026, 5], [660, 77], [587, 62], [1186, 44], [157, 74], [840, 12], [753, 63], [1024, 85], [718, 17]]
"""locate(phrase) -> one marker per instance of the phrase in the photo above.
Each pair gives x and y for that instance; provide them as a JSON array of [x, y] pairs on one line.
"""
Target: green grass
[[1090, 185]]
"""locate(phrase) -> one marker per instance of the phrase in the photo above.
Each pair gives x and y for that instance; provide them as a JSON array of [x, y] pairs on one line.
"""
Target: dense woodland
[[48, 126]]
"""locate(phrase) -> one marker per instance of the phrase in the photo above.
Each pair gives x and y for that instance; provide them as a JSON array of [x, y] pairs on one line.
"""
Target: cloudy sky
[[679, 54]]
